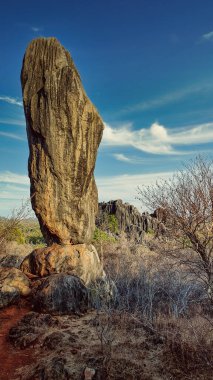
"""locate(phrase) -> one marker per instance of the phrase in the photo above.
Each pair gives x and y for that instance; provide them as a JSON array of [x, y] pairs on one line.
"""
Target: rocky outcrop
[[80, 260], [130, 220], [13, 285], [61, 294], [64, 131]]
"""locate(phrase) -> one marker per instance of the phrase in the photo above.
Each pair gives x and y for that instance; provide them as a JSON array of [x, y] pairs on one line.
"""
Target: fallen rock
[[64, 131], [13, 285], [79, 260], [61, 294], [89, 373]]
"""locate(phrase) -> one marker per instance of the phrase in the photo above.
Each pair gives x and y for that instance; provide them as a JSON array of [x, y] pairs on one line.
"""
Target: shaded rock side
[[64, 131], [130, 220], [13, 285], [80, 260], [61, 294]]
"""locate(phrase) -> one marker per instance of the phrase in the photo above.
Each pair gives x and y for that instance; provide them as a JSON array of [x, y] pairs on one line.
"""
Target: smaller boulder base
[[61, 294], [13, 285], [80, 260]]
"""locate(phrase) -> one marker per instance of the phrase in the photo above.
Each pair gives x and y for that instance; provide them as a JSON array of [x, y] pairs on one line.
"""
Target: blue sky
[[147, 66]]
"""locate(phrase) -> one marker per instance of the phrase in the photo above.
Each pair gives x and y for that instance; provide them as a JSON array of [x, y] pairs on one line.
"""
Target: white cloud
[[12, 136], [15, 187], [14, 190], [208, 36], [20, 122], [9, 177], [158, 139], [159, 132], [169, 98], [10, 100], [125, 186], [121, 157], [196, 134]]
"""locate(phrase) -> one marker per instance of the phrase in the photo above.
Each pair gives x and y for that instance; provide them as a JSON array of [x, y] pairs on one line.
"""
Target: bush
[[34, 236], [102, 236], [16, 234], [113, 224]]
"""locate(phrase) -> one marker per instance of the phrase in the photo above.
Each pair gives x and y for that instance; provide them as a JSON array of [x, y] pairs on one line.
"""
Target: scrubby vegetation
[[157, 302], [165, 284], [159, 294]]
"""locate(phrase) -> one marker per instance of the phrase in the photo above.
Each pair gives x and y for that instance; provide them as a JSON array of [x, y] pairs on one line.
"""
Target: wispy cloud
[[125, 186], [158, 139], [12, 136], [207, 36], [36, 29], [19, 122], [14, 189], [121, 157], [9, 177], [10, 100], [166, 99]]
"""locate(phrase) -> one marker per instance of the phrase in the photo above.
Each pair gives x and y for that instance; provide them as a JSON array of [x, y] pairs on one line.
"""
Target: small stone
[[89, 373]]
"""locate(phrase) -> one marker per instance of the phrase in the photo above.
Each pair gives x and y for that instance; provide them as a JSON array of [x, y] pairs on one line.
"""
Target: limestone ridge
[[130, 221], [64, 131]]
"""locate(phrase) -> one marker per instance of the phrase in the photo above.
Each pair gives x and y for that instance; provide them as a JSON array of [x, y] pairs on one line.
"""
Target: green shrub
[[113, 224], [16, 234], [100, 236], [35, 237]]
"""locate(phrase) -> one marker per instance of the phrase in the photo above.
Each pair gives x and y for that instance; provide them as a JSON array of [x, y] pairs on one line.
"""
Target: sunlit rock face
[[64, 131]]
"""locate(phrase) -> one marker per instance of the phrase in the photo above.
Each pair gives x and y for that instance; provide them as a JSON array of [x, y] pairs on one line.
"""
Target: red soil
[[11, 358]]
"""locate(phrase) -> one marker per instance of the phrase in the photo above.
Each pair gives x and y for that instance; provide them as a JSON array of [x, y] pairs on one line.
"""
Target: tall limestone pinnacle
[[64, 131]]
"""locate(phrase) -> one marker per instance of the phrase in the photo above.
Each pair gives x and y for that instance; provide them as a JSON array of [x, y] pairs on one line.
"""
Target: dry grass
[[188, 348], [158, 293]]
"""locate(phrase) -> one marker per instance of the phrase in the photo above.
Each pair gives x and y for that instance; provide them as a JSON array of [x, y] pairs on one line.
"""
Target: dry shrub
[[10, 224], [149, 283], [188, 344], [166, 301]]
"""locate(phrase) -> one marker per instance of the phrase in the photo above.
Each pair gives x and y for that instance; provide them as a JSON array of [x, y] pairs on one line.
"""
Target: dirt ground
[[117, 347], [10, 357], [128, 355]]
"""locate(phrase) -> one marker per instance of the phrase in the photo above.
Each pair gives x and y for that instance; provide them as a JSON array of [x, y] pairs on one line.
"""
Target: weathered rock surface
[[130, 220], [80, 260], [13, 285], [61, 294], [10, 261], [64, 131]]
